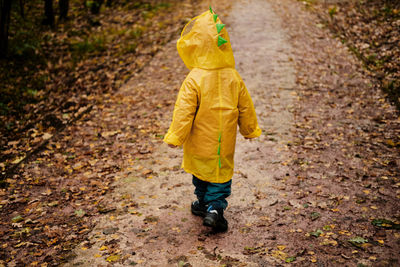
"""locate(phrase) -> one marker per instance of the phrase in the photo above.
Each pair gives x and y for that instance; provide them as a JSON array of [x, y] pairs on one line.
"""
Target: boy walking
[[211, 102]]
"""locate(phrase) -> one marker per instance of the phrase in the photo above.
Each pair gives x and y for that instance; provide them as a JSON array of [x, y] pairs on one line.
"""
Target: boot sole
[[199, 213], [217, 227], [210, 223]]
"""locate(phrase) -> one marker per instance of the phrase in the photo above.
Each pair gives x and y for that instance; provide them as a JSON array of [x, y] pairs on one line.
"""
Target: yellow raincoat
[[212, 101]]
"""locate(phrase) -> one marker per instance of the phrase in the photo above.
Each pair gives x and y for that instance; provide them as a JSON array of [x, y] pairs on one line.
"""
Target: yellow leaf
[[374, 207], [390, 143], [366, 245], [103, 248], [46, 136], [313, 259], [110, 133], [344, 232], [113, 258], [97, 256], [381, 241], [176, 229], [18, 160], [20, 244], [366, 191], [279, 254], [327, 242], [281, 247]]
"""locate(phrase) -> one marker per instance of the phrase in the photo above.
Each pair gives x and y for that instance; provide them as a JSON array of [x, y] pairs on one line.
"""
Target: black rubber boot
[[216, 220], [199, 209]]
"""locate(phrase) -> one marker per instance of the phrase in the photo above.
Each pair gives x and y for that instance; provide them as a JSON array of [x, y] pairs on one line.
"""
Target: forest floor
[[319, 187]]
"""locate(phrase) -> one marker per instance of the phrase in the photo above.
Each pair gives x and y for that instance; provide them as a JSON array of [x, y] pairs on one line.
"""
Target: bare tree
[[95, 6], [48, 13], [63, 5], [5, 9], [21, 8]]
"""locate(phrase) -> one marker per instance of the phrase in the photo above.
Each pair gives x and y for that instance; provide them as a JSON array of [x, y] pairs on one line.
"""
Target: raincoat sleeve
[[184, 113], [248, 125]]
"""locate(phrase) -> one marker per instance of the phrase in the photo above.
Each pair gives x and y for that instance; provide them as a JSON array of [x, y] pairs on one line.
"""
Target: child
[[211, 102]]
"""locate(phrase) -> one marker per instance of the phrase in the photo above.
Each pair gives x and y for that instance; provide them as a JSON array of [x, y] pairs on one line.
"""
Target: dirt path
[[153, 225], [319, 187]]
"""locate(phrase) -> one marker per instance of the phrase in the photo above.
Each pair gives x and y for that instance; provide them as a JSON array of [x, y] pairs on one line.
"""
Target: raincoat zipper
[[220, 124]]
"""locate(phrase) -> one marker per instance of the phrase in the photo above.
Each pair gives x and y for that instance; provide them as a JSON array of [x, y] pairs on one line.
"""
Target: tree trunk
[[96, 5], [21, 8], [48, 13], [5, 9], [64, 6]]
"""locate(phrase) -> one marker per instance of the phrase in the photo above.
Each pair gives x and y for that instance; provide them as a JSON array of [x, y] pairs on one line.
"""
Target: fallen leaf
[[113, 258], [80, 213], [17, 219], [46, 136]]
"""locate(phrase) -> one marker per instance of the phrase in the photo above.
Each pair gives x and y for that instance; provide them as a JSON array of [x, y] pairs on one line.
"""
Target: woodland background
[[58, 63]]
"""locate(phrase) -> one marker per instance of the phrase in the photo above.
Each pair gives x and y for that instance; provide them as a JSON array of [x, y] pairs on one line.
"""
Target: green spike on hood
[[220, 27], [211, 10], [215, 16], [221, 41]]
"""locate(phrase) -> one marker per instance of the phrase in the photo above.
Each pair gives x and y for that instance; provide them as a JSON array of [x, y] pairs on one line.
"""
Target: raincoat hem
[[220, 180]]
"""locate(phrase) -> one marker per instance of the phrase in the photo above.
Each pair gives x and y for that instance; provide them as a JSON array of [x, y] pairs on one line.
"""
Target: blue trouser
[[212, 194]]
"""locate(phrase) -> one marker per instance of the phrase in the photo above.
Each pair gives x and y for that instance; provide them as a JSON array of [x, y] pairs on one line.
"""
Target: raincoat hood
[[207, 44]]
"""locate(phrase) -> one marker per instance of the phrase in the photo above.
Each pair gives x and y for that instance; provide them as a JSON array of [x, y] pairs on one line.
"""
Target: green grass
[[88, 46], [146, 6]]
